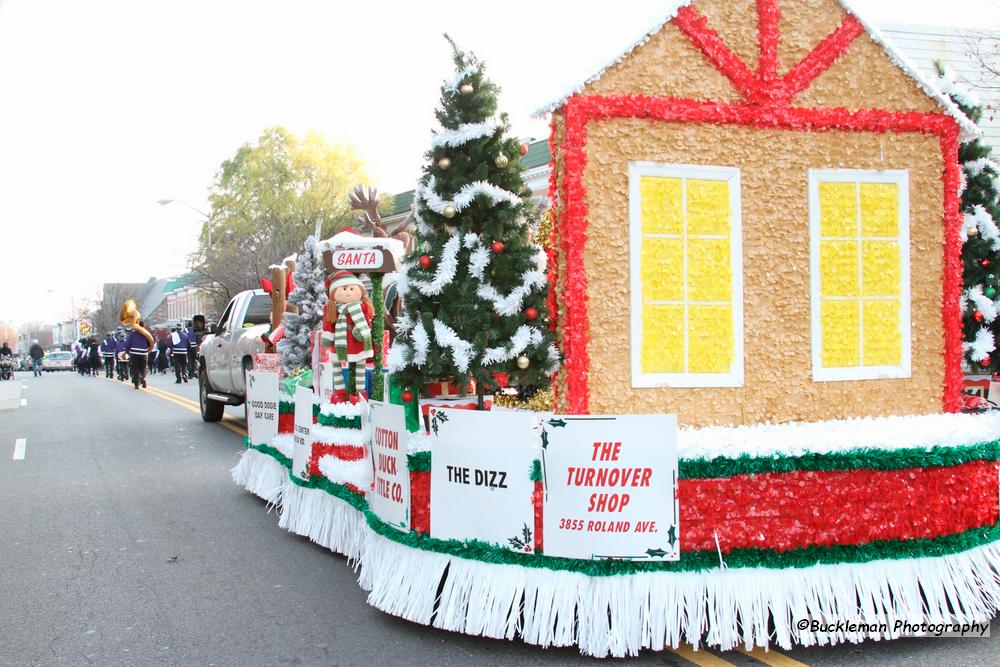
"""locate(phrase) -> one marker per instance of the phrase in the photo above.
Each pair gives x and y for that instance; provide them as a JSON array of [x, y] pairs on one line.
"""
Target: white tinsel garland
[[980, 302], [980, 347], [984, 223], [398, 356], [421, 342], [445, 273], [452, 85], [461, 350], [464, 197], [976, 167], [511, 304], [522, 338], [467, 132]]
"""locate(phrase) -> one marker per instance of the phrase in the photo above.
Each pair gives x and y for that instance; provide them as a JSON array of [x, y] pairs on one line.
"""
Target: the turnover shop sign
[[262, 406], [611, 487], [303, 431], [481, 477], [390, 499]]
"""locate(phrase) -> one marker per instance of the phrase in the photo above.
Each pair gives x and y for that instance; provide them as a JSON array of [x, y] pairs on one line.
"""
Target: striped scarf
[[361, 329]]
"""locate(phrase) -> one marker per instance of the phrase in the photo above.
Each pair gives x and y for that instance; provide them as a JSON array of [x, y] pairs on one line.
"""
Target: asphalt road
[[123, 540]]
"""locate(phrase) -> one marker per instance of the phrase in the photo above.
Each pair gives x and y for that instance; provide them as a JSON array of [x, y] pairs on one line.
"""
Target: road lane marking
[[772, 658], [19, 446], [701, 658], [187, 404], [24, 402], [169, 395]]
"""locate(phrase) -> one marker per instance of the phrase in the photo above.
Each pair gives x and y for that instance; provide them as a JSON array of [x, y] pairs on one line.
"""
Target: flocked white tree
[[309, 296]]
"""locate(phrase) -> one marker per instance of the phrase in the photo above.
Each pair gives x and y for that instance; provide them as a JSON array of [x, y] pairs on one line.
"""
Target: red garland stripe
[[579, 110], [342, 452], [951, 312], [538, 502], [286, 422], [695, 26], [818, 60], [420, 502], [552, 269], [783, 511], [768, 16]]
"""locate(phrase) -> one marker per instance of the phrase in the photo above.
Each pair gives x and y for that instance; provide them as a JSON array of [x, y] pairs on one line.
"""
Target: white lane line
[[19, 446], [24, 402]]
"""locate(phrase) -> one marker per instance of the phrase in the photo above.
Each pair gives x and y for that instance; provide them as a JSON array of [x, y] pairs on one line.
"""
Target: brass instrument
[[129, 315]]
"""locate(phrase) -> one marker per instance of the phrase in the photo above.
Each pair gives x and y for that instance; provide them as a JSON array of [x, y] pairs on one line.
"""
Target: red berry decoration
[[425, 261], [531, 313], [407, 396], [498, 247], [978, 315], [985, 362], [985, 262], [524, 149]]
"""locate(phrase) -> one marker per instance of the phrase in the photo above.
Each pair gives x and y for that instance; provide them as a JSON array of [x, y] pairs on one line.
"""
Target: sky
[[108, 106]]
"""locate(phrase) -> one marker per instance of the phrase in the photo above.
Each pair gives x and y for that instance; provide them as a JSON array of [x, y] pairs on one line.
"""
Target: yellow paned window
[[686, 287], [860, 281]]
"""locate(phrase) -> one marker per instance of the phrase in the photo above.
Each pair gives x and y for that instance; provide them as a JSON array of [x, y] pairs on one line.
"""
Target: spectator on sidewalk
[[36, 353]]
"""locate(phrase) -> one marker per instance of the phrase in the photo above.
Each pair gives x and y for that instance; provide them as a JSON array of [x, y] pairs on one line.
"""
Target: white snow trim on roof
[[284, 443], [356, 473], [340, 409], [342, 240], [969, 129], [467, 132], [826, 437], [949, 86]]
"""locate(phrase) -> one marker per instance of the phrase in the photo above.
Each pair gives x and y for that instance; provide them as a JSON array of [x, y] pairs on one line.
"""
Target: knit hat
[[344, 278]]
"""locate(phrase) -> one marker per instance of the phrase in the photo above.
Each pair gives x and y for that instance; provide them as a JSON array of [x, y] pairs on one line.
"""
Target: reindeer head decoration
[[370, 221]]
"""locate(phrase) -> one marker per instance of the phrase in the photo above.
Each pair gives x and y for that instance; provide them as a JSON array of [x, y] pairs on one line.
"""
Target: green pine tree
[[980, 235], [473, 291]]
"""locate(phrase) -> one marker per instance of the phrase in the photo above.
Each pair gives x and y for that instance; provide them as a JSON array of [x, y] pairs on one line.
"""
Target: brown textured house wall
[[777, 337]]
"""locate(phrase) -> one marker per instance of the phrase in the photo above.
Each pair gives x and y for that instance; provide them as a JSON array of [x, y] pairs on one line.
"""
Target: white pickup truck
[[226, 353]]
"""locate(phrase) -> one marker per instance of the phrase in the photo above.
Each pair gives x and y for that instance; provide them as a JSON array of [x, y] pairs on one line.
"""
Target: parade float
[[749, 310]]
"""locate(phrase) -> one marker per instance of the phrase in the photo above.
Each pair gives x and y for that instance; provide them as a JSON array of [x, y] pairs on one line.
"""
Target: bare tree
[[104, 312]]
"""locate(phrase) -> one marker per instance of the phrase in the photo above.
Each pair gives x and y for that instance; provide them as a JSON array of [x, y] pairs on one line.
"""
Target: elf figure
[[347, 327]]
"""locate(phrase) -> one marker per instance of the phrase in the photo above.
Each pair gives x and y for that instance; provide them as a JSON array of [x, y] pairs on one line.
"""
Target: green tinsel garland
[[705, 560], [284, 407], [419, 462], [536, 471], [338, 422]]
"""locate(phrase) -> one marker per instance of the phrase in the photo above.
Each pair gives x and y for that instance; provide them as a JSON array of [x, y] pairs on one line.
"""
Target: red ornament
[[498, 247], [531, 313], [978, 315], [407, 396], [985, 262], [986, 361], [524, 149], [425, 261]]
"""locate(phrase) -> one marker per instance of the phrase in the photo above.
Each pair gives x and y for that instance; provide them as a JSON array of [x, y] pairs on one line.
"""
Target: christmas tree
[[309, 296], [473, 288], [980, 237]]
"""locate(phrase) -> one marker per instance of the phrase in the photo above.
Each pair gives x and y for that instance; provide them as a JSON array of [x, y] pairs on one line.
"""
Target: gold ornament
[[444, 163], [973, 231], [502, 160], [543, 235], [449, 211], [466, 89], [523, 362]]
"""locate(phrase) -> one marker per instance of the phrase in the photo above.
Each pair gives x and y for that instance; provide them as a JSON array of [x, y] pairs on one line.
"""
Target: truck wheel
[[211, 411]]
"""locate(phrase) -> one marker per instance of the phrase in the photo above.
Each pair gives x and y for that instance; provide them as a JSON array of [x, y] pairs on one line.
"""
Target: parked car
[[226, 353], [57, 361]]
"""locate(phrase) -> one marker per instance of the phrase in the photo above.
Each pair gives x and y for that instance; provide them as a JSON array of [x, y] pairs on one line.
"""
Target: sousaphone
[[129, 315]]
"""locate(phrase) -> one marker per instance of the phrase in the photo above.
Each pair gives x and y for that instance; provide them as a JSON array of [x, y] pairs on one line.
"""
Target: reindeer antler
[[366, 201]]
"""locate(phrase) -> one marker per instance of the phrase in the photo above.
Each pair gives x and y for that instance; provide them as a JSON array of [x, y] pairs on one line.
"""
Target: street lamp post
[[164, 202]]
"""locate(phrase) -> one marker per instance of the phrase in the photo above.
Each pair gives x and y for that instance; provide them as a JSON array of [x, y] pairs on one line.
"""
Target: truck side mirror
[[212, 329]]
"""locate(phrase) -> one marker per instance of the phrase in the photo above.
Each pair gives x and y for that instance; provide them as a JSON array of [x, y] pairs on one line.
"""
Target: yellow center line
[[772, 658], [182, 402], [170, 394], [701, 658]]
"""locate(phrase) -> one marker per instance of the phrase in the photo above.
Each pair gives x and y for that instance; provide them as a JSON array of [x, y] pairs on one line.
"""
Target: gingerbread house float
[[756, 219]]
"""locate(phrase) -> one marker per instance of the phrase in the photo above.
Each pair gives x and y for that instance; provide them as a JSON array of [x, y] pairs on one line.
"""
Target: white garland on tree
[[465, 196], [466, 132], [980, 347], [980, 302], [980, 219], [452, 85], [461, 350]]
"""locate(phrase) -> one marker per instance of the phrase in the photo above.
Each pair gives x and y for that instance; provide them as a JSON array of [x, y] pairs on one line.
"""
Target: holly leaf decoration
[[437, 419], [557, 423], [545, 439], [523, 542], [656, 553], [672, 535]]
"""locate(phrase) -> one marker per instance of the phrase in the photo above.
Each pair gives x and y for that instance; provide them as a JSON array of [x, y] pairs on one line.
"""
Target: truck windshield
[[258, 310]]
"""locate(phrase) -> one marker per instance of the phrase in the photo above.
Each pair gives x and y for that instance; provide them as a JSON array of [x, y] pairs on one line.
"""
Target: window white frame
[[901, 178], [731, 175]]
